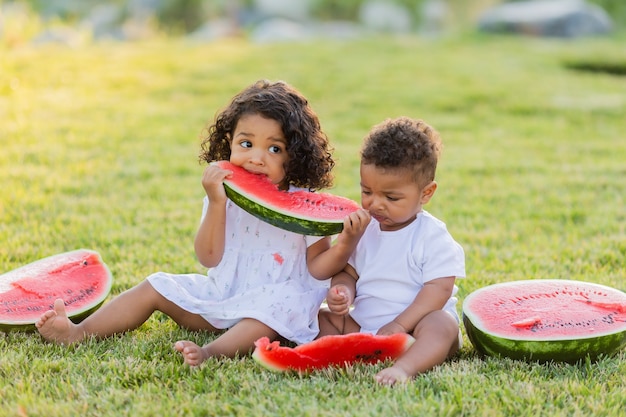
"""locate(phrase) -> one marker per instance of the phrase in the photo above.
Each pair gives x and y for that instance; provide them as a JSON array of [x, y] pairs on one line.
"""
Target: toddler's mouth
[[378, 217]]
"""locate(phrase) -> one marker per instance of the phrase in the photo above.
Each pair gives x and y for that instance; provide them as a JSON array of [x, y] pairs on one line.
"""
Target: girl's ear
[[428, 191]]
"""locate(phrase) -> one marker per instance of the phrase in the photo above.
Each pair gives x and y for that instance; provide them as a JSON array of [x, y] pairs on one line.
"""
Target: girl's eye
[[275, 149], [392, 198], [245, 144], [366, 192]]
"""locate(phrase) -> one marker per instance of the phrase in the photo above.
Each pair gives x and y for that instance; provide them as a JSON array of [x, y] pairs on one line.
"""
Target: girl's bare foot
[[193, 354], [390, 376], [54, 326]]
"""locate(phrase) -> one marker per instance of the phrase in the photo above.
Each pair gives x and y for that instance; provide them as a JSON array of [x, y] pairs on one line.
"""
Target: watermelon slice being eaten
[[78, 277], [308, 213], [331, 351], [546, 320]]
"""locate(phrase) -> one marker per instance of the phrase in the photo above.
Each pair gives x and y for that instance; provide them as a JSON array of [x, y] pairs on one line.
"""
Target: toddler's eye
[[275, 149], [245, 144]]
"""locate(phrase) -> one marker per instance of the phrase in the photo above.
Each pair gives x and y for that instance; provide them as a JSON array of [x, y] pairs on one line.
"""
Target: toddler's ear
[[428, 191]]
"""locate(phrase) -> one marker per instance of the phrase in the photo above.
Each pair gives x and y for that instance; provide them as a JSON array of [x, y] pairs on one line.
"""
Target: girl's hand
[[212, 182], [339, 299]]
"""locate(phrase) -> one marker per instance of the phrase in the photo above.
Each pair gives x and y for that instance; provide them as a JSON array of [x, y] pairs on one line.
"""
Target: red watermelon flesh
[[561, 320], [78, 277], [312, 213], [331, 351]]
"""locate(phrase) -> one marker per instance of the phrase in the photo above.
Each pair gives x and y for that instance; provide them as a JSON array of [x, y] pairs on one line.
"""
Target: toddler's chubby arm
[[342, 291], [325, 260], [209, 242], [433, 296]]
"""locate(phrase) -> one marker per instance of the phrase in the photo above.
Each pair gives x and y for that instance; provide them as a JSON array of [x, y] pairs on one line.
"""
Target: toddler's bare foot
[[193, 354], [390, 376], [54, 326]]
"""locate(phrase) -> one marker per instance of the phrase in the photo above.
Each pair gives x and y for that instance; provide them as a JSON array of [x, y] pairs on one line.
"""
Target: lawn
[[99, 150]]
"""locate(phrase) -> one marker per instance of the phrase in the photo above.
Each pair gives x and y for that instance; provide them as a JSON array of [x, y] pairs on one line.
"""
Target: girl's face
[[258, 145], [391, 196]]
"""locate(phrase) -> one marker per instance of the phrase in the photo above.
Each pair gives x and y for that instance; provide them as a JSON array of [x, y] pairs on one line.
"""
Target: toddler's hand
[[391, 328], [354, 226], [339, 299], [356, 222]]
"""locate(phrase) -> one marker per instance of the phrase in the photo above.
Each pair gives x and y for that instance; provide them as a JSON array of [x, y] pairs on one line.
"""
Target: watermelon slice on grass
[[546, 320], [331, 351], [79, 277], [314, 214]]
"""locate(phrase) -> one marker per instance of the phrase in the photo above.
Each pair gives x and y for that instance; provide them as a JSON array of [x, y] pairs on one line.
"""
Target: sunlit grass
[[99, 150]]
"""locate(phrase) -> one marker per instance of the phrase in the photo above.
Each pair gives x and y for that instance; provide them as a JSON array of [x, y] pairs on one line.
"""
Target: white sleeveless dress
[[263, 275]]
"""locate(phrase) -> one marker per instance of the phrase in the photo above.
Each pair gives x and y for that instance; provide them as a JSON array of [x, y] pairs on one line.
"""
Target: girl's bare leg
[[125, 312], [436, 339], [238, 340]]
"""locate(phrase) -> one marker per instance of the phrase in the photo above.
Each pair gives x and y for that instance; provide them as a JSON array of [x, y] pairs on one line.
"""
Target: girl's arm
[[325, 260], [209, 243], [433, 296]]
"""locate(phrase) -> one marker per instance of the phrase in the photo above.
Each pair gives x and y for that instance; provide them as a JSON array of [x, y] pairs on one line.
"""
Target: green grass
[[99, 150]]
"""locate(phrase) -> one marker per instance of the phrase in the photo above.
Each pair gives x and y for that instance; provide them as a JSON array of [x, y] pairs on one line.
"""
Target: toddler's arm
[[324, 262], [433, 296]]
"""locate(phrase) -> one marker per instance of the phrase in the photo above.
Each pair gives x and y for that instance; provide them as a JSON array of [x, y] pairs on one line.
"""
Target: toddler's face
[[259, 146], [391, 196]]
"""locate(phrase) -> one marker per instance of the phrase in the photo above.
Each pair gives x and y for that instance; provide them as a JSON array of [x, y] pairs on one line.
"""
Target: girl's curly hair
[[404, 143], [310, 161]]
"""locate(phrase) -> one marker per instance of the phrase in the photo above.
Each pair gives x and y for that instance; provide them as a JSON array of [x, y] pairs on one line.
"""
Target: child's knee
[[438, 323]]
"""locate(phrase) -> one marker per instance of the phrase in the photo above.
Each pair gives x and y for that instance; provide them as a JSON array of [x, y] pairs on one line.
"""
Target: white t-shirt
[[393, 267]]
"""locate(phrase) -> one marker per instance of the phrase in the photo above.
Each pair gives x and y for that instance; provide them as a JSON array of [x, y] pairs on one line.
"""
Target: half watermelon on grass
[[308, 213], [546, 320], [331, 351], [78, 277]]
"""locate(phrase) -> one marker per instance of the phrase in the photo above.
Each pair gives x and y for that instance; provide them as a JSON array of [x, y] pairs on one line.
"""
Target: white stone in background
[[385, 16], [280, 30], [558, 18], [290, 9], [214, 30]]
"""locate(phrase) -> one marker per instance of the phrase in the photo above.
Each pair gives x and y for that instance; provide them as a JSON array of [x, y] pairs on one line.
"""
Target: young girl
[[262, 281], [401, 275]]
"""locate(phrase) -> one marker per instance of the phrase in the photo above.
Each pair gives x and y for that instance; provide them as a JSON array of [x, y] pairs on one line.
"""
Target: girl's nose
[[256, 157]]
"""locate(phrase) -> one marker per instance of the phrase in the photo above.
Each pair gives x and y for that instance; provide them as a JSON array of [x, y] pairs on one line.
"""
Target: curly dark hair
[[310, 161], [404, 143]]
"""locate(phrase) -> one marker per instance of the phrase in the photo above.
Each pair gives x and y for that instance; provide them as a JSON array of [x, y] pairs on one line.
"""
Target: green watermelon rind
[[559, 349], [312, 218], [284, 221], [75, 315]]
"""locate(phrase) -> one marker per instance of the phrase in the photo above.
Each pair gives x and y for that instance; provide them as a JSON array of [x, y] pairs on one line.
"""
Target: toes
[[59, 307], [181, 345]]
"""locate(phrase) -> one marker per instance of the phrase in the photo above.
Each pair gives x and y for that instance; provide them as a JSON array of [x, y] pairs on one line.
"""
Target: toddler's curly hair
[[404, 143], [310, 154]]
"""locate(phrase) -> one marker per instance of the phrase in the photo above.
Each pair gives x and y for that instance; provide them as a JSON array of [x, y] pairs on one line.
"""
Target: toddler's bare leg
[[238, 340], [436, 339], [334, 324]]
